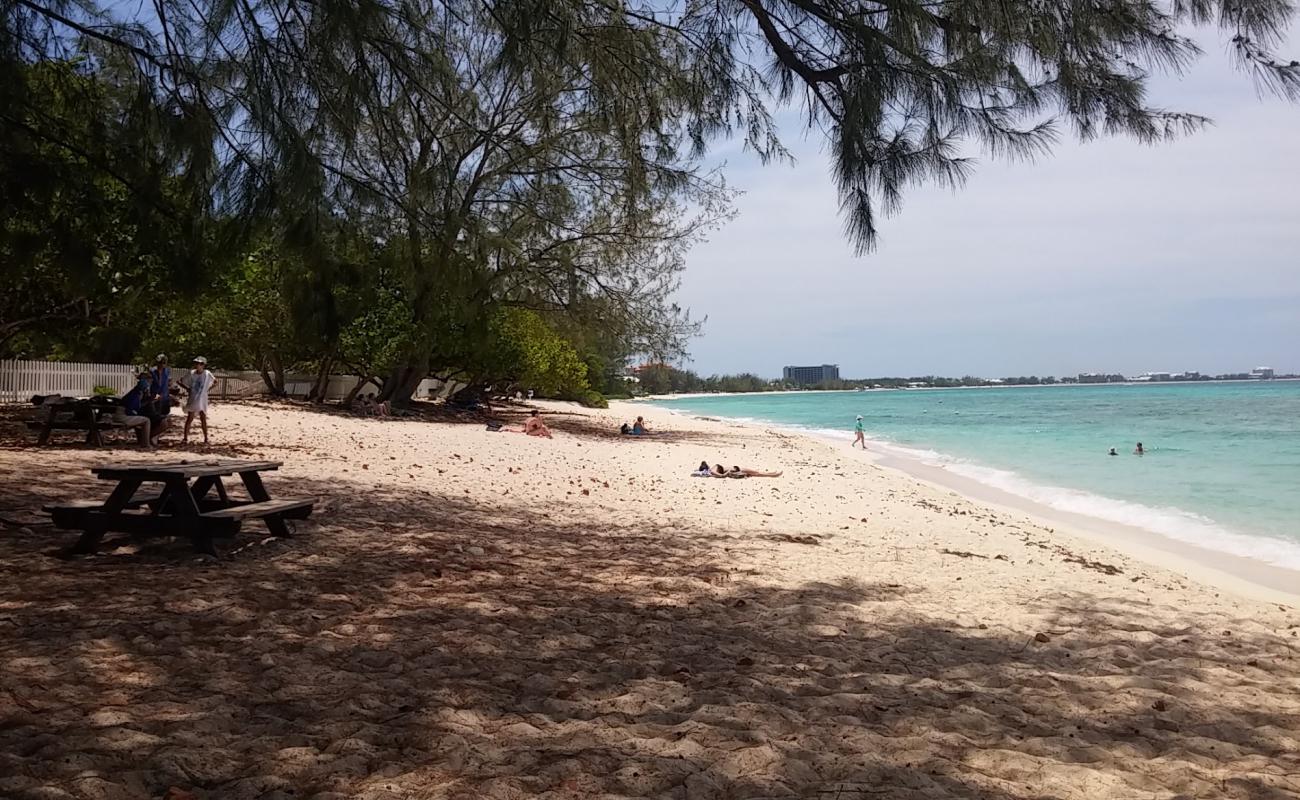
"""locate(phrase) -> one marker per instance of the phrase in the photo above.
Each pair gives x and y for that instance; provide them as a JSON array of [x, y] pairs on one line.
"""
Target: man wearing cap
[[859, 435], [197, 384]]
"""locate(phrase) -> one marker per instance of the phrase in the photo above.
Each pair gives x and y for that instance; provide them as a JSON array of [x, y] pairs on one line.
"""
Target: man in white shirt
[[197, 384]]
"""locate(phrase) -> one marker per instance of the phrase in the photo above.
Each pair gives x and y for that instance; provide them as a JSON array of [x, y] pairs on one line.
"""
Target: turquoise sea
[[1222, 468]]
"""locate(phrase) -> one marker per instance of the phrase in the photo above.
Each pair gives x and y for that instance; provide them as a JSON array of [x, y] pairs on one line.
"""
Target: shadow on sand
[[429, 647]]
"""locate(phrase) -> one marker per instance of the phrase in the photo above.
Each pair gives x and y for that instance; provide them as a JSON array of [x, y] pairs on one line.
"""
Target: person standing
[[197, 384], [160, 400], [859, 434]]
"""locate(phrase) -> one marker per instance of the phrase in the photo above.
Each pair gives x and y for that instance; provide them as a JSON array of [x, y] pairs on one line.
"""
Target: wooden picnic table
[[78, 414], [192, 501]]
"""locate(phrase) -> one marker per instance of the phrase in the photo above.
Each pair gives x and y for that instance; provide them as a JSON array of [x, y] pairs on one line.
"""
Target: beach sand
[[487, 615]]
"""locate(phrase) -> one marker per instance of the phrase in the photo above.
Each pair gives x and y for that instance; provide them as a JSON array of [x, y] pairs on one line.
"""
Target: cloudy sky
[[1110, 256]]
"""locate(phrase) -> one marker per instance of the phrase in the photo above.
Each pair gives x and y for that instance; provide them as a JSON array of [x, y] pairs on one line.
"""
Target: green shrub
[[587, 398], [104, 391]]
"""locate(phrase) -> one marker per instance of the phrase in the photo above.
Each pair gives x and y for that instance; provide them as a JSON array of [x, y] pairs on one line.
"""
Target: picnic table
[[92, 415], [191, 501]]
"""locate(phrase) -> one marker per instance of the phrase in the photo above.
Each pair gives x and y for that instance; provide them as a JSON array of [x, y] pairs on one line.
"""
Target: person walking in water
[[859, 434], [197, 384]]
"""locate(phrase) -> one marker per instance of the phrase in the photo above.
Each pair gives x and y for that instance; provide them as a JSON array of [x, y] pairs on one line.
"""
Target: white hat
[[198, 360], [859, 416]]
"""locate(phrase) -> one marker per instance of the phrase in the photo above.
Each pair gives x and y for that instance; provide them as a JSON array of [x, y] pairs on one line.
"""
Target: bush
[[587, 398], [104, 391]]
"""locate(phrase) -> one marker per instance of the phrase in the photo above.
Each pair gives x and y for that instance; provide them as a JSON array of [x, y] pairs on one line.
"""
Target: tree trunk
[[276, 367], [274, 381], [402, 382], [266, 377], [356, 390], [320, 388]]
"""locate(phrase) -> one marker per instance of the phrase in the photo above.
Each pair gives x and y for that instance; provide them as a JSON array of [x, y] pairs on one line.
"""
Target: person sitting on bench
[[131, 412]]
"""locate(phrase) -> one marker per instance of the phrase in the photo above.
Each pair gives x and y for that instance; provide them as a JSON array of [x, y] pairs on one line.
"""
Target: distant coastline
[[660, 379], [686, 395]]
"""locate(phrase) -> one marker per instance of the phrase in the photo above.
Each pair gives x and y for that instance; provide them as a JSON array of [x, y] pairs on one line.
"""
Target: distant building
[[811, 376], [1262, 373], [1093, 377]]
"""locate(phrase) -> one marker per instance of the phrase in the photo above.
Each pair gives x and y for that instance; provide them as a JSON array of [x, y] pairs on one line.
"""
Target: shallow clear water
[[1222, 467]]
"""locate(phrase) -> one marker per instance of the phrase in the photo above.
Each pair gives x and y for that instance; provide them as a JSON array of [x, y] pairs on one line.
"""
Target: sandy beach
[[487, 615]]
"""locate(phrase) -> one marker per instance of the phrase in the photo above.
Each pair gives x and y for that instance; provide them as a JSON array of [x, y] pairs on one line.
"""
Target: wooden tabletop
[[188, 469]]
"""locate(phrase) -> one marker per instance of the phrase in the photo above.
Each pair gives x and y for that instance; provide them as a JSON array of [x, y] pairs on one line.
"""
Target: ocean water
[[1222, 468]]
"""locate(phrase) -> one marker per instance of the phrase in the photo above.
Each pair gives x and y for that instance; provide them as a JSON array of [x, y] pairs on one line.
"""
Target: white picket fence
[[19, 380]]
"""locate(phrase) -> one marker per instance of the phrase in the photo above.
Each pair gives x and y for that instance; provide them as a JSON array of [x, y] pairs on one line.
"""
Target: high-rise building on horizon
[[811, 376]]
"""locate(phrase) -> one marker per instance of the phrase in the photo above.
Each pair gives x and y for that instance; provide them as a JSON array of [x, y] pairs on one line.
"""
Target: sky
[[1109, 256]]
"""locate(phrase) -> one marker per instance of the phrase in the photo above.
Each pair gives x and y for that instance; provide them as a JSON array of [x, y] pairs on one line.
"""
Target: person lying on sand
[[703, 471], [719, 471], [746, 472]]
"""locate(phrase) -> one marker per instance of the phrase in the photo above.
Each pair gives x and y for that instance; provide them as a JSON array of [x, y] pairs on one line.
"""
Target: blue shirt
[[160, 382], [132, 400]]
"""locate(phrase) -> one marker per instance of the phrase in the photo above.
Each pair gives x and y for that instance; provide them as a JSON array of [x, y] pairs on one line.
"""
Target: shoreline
[[1241, 575]]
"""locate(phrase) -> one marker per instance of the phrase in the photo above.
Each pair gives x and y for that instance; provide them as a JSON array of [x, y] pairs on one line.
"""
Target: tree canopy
[[406, 174]]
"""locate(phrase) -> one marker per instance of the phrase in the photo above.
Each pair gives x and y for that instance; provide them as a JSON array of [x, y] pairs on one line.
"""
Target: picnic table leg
[[203, 544], [91, 537], [44, 438], [88, 416], [257, 490], [185, 503], [89, 540], [206, 484]]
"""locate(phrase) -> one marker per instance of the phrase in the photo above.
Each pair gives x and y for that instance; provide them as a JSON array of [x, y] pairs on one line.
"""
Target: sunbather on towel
[[746, 472]]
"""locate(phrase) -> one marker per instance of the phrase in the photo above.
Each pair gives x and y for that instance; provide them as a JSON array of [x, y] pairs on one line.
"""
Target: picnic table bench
[[192, 501], [72, 414]]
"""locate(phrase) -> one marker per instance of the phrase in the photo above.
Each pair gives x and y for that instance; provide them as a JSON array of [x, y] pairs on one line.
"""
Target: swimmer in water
[[1138, 451], [1112, 452]]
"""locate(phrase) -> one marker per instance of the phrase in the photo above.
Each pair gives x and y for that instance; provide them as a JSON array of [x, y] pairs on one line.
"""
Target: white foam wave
[[1174, 523]]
